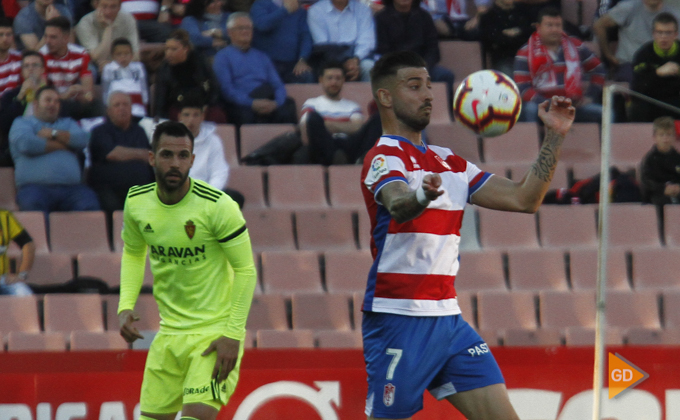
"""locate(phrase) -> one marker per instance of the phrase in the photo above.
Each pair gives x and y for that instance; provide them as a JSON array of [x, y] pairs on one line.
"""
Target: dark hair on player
[[181, 36], [5, 23], [60, 22], [43, 89], [665, 17], [120, 41], [172, 129], [550, 11], [31, 53], [390, 64], [331, 65]]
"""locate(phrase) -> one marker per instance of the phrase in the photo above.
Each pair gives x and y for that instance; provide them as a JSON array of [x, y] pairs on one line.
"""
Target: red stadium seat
[[88, 341], [339, 339], [344, 185], [248, 180], [297, 186], [452, 53], [633, 309], [583, 269], [519, 145], [582, 144], [652, 337], [321, 311], [633, 226], [51, 269], [227, 133], [291, 272], [267, 339], [507, 230], [560, 309], [466, 307], [357, 314], [325, 230], [7, 190], [364, 230], [630, 143], [73, 312], [672, 227], [78, 232], [584, 170], [656, 269], [585, 336], [359, 92], [300, 92], [347, 271], [481, 271], [524, 338], [462, 141], [38, 341], [105, 266], [117, 230], [146, 307], [19, 313], [254, 136], [267, 312], [499, 311], [270, 229], [671, 303], [440, 104], [537, 269], [34, 223], [567, 226]]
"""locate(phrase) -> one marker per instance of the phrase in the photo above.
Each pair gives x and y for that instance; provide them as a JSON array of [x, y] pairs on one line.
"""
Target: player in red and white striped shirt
[[10, 60]]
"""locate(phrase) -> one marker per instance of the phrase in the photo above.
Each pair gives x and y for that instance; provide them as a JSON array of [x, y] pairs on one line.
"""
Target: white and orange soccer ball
[[487, 102]]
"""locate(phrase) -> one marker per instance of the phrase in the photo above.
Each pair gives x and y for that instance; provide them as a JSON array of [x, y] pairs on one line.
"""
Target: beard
[[170, 186], [414, 120]]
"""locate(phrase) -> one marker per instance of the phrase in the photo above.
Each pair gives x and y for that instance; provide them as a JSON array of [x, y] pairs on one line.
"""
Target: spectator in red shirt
[[10, 60]]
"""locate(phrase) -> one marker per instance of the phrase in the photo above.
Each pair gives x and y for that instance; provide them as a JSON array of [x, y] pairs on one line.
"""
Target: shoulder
[[87, 21], [206, 192], [76, 49], [44, 51], [15, 55], [140, 191]]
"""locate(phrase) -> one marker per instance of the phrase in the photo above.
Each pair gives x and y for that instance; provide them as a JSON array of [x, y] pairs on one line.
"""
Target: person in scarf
[[552, 63]]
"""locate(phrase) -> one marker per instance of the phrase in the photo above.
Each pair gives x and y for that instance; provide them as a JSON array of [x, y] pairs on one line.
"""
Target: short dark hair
[[331, 65], [181, 36], [5, 23], [43, 89], [120, 41], [665, 17], [60, 22], [663, 123], [192, 100], [389, 64], [31, 53], [550, 11], [170, 128]]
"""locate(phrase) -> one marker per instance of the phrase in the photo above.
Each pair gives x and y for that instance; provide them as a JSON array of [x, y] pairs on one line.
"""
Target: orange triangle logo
[[623, 375]]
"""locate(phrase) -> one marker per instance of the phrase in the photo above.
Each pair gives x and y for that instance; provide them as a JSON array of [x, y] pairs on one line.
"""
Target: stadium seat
[[630, 143], [567, 226], [73, 312], [88, 341], [440, 104], [321, 311], [105, 266], [633, 226], [227, 133], [51, 269], [357, 314], [652, 337], [582, 144], [347, 271], [559, 309], [248, 180], [297, 186], [288, 272], [519, 145], [584, 170], [505, 230], [364, 230], [672, 227], [656, 269], [466, 307], [267, 312], [461, 57], [344, 186], [462, 141], [146, 307], [19, 313], [560, 177], [249, 341], [270, 229], [359, 92], [584, 272], [633, 309], [35, 341], [78, 232], [671, 301], [268, 339], [8, 190], [537, 269], [526, 338], [300, 92], [585, 336], [339, 339], [34, 223], [254, 136], [117, 230], [481, 270], [499, 311], [325, 230]]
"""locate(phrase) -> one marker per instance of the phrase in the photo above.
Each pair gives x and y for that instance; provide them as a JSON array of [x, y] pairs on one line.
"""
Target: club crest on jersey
[[442, 161], [379, 166], [388, 395], [190, 229]]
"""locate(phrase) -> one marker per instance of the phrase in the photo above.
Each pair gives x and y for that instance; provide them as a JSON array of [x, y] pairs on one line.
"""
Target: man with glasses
[[656, 70]]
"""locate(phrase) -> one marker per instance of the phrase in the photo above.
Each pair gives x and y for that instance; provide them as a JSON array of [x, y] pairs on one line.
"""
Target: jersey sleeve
[[15, 228], [235, 242], [386, 166], [132, 262], [476, 178]]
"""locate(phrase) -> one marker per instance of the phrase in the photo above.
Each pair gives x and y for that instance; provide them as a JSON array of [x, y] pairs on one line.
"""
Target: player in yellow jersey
[[204, 278], [11, 230]]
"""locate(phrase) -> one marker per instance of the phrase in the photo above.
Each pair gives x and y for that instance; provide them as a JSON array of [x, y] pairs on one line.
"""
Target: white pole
[[603, 246]]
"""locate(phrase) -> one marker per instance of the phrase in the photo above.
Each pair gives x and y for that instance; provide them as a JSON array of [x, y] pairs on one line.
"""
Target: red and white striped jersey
[[141, 9], [63, 72], [415, 263], [10, 71]]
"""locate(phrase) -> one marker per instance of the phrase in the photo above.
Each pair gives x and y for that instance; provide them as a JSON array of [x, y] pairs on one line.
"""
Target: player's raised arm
[[405, 204], [500, 193]]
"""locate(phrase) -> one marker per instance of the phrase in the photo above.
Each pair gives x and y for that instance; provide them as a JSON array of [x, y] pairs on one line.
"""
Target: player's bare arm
[[227, 355], [405, 204], [500, 193], [127, 330]]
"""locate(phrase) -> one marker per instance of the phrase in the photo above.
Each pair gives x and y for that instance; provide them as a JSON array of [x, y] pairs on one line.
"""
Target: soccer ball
[[487, 102]]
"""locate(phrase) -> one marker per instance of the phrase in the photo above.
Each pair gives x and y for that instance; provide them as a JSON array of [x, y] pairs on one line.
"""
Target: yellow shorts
[[177, 374]]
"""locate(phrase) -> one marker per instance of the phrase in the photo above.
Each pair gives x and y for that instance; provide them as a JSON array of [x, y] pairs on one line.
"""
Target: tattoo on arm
[[545, 165], [400, 201]]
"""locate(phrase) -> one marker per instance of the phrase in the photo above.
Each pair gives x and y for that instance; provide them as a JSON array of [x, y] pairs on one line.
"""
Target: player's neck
[[396, 128], [173, 197]]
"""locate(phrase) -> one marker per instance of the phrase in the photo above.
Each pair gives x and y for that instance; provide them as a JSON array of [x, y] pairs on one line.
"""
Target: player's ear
[[152, 159], [384, 97]]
